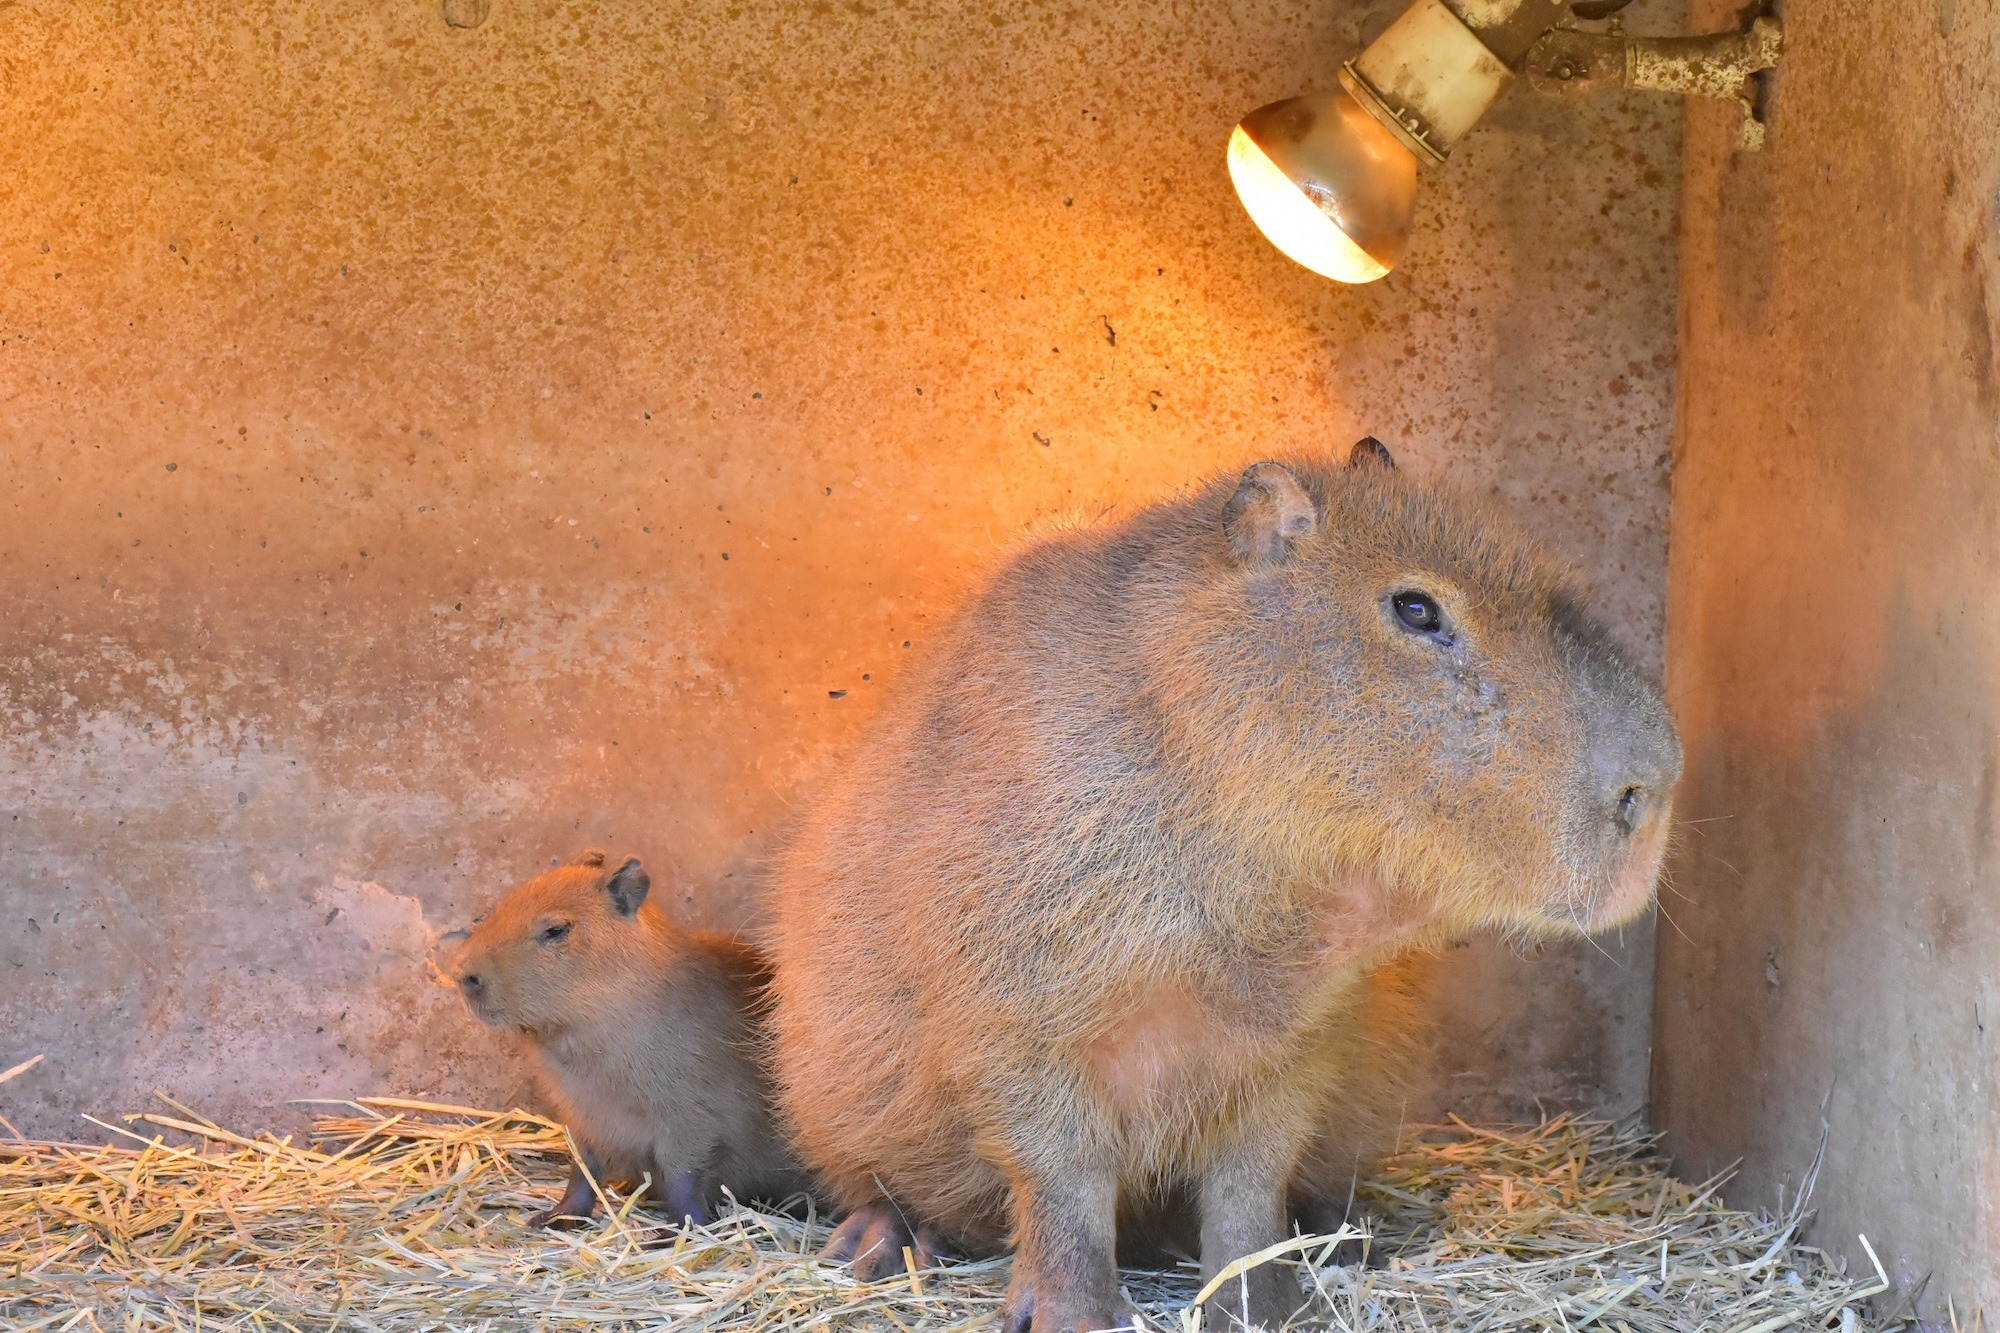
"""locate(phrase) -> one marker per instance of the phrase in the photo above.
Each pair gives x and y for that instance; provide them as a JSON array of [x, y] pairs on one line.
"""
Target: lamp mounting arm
[[1568, 63]]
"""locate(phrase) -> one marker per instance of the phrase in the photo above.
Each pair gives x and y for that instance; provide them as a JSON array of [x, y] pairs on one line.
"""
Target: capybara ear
[[592, 857], [1370, 452], [627, 887], [1267, 511]]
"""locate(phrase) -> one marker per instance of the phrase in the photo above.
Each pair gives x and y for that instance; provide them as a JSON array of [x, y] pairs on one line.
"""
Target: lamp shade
[[1327, 184]]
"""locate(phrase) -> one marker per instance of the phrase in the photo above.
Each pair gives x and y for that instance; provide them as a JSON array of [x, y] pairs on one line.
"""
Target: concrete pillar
[[1830, 951]]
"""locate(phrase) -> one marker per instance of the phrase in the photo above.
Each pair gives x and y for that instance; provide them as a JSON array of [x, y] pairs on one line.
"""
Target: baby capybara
[[1084, 911], [647, 1035]]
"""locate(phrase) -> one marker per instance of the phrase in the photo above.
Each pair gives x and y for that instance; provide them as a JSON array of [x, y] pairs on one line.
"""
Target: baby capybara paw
[[874, 1238], [575, 1208], [554, 1218], [687, 1199]]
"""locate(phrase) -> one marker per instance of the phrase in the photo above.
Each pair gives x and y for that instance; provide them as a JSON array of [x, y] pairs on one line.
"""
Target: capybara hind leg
[[1242, 1212], [874, 1238], [1065, 1265], [578, 1203]]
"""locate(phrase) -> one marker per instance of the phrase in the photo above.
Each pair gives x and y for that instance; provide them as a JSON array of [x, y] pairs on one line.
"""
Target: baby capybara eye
[[554, 933], [1418, 612]]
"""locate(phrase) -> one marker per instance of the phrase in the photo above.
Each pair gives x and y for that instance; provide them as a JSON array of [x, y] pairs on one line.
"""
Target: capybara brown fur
[[647, 1034], [1083, 912], [1378, 1070], [1376, 1060]]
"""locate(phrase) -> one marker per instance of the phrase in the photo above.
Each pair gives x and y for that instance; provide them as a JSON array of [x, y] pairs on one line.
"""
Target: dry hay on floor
[[406, 1215]]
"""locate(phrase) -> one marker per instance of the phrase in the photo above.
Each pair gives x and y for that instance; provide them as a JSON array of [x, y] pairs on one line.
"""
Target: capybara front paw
[[1265, 1297], [874, 1237], [1025, 1313]]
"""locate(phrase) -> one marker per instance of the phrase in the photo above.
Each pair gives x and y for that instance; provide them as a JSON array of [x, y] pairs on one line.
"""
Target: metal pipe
[[1569, 63]]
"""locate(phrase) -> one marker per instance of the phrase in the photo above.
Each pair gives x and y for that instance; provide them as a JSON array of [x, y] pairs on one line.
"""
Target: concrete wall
[[426, 450], [1835, 621]]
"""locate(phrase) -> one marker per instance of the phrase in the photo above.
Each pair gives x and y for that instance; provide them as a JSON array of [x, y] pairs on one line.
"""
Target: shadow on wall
[[1815, 821]]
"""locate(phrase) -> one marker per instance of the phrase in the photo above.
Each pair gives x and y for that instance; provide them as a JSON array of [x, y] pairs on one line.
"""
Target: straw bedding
[[403, 1215]]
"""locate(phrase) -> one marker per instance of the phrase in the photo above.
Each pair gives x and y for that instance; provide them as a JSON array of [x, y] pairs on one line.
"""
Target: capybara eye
[[1419, 613], [554, 933]]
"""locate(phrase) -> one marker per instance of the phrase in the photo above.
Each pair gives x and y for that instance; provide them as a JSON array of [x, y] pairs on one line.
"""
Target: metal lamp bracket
[[1568, 62]]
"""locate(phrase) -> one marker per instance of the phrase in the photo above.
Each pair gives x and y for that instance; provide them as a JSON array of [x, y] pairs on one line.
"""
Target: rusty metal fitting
[[1570, 63]]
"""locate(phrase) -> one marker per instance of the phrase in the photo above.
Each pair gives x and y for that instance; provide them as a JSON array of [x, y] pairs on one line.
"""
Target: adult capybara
[[647, 1035], [1075, 920]]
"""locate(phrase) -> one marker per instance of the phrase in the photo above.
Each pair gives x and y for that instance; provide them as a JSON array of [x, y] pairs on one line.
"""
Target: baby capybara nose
[[471, 983]]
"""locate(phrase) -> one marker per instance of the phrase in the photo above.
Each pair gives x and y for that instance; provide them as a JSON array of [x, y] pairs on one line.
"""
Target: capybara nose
[[1634, 772], [1631, 808], [471, 983]]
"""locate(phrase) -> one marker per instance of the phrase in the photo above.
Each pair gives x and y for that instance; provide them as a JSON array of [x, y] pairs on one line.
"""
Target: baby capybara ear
[[1370, 452], [1269, 509], [627, 887], [592, 857]]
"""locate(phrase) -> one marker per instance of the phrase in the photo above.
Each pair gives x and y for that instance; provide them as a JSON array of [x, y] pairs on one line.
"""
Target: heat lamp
[[1331, 180]]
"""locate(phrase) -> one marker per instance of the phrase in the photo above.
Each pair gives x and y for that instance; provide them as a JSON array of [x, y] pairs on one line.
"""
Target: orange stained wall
[[426, 450]]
